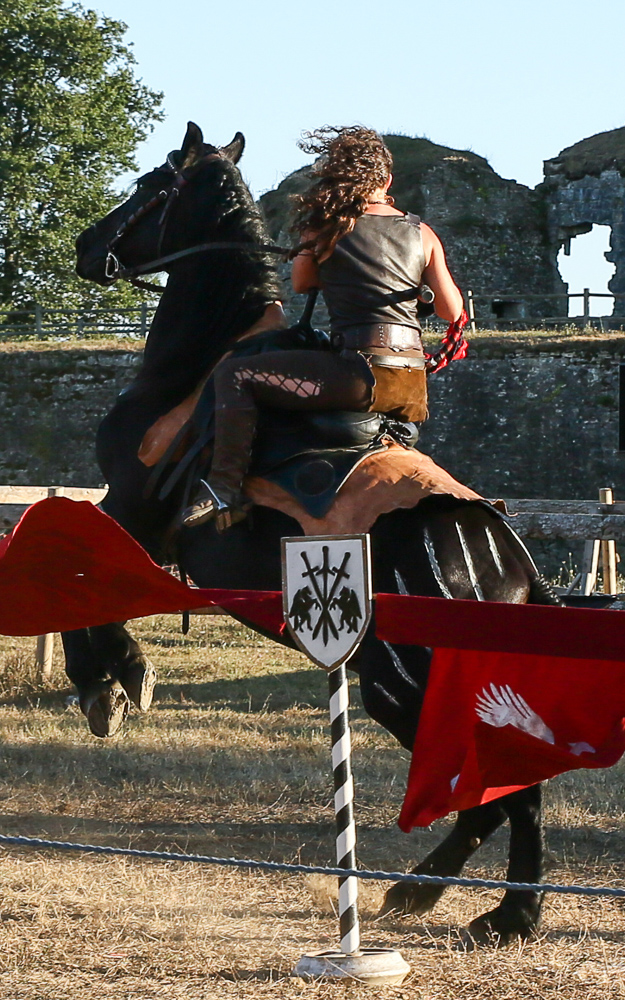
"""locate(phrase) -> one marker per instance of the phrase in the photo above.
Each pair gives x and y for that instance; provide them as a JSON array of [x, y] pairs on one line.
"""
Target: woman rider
[[369, 259]]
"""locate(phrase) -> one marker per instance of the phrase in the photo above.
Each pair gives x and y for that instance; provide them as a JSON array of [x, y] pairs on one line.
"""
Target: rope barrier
[[277, 866]]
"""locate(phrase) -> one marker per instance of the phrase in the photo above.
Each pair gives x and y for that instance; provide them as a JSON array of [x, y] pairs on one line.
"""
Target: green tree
[[71, 116]]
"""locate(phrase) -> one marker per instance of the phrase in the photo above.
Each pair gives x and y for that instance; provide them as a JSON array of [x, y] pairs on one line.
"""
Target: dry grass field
[[484, 339], [233, 759]]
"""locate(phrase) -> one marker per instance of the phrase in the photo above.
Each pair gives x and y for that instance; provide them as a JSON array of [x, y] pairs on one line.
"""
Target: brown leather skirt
[[400, 392]]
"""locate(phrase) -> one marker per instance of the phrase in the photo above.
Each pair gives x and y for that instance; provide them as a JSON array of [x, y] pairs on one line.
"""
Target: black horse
[[440, 547]]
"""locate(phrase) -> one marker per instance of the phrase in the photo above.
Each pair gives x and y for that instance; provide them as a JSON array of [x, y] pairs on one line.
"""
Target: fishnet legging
[[294, 380]]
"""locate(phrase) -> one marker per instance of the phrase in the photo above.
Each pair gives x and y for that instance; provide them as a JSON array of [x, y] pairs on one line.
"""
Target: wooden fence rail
[[503, 299], [599, 523], [14, 500], [134, 321], [40, 322], [569, 519]]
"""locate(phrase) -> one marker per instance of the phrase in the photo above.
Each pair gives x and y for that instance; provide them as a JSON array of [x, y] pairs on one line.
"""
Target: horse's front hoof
[[499, 928], [138, 681], [106, 706], [404, 898]]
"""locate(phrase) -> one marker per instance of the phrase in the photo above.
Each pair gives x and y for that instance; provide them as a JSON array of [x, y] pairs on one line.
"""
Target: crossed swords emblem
[[325, 593]]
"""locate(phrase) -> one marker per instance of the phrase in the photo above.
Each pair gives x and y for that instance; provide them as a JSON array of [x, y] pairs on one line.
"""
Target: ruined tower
[[585, 185]]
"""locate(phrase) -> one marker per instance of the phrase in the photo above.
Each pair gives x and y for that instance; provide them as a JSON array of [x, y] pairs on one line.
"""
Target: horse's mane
[[213, 297], [237, 214]]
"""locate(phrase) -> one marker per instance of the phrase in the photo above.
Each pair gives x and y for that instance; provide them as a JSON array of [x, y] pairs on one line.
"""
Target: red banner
[[580, 633], [67, 565], [517, 693], [492, 723]]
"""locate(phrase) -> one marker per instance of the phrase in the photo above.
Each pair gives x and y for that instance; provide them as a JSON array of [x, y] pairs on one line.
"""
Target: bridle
[[453, 342], [114, 269]]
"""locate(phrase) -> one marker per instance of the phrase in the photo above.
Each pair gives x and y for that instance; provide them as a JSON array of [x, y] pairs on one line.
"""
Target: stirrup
[[210, 506]]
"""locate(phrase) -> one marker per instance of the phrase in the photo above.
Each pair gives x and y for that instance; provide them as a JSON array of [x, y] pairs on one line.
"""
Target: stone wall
[[51, 402], [513, 419], [535, 424]]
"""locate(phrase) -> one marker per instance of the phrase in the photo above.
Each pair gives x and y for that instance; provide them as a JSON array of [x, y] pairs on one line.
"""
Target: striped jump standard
[[326, 587], [349, 927]]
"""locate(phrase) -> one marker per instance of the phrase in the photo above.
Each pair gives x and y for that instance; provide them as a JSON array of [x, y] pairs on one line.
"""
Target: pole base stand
[[371, 966]]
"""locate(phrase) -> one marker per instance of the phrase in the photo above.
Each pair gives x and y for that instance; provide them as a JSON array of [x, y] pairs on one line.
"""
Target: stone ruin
[[585, 185], [502, 238]]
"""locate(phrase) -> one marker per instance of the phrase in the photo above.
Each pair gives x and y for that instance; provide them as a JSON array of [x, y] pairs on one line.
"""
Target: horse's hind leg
[[519, 911], [471, 829], [109, 670], [393, 679]]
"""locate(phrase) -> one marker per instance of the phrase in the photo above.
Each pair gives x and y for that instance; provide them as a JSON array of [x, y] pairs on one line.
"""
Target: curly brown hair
[[353, 162]]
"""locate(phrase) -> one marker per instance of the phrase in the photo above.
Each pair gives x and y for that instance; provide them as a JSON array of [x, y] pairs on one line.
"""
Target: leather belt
[[395, 360], [392, 336]]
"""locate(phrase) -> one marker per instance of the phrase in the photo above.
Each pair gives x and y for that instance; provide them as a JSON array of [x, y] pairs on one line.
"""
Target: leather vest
[[373, 273]]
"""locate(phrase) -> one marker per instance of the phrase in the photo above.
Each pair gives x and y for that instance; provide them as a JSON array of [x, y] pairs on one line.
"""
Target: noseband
[[114, 269]]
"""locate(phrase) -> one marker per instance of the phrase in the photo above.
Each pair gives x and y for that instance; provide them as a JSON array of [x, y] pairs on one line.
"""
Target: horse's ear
[[234, 149], [192, 146]]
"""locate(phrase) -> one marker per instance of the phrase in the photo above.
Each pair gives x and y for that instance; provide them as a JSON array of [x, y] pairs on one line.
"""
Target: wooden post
[[590, 566], [39, 320], [45, 643], [471, 309], [144, 319], [43, 656], [608, 551], [586, 306]]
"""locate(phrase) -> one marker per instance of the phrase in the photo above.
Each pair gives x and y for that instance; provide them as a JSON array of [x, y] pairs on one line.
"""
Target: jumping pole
[[327, 607], [349, 928]]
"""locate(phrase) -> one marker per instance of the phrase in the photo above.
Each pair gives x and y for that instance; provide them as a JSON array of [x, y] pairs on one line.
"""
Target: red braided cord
[[453, 347]]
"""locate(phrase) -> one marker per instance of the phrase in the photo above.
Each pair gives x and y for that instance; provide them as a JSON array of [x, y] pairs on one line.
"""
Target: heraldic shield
[[326, 589]]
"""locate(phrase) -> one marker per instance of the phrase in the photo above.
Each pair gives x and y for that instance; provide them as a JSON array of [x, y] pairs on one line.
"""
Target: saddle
[[312, 455], [333, 472], [308, 455]]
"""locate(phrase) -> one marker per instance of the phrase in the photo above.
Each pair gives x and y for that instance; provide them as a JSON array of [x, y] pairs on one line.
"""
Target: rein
[[157, 265], [114, 268]]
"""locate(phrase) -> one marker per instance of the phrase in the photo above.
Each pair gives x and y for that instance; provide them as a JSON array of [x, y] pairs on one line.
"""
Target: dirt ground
[[233, 759]]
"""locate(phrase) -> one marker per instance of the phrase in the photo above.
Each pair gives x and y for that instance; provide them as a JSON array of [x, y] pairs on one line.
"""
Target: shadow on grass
[[556, 934], [290, 843], [440, 937], [41, 697], [245, 694], [277, 691]]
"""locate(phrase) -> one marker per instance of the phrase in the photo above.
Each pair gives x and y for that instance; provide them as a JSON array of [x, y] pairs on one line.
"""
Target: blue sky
[[515, 83]]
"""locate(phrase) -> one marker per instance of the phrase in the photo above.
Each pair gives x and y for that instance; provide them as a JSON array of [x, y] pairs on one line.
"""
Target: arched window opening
[[586, 267]]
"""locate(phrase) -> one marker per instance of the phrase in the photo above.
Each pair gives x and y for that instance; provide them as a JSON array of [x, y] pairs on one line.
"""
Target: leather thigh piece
[[401, 392], [294, 380]]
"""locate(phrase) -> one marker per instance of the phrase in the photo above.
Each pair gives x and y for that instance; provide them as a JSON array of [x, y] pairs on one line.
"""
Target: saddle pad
[[382, 482], [161, 434]]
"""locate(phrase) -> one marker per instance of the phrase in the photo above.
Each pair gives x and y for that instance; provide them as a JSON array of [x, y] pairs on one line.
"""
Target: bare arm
[[305, 273], [448, 301]]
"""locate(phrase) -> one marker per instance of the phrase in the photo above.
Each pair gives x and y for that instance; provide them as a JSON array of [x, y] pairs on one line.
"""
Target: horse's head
[[175, 206]]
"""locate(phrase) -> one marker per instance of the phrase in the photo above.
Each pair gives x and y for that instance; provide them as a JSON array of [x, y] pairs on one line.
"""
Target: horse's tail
[[542, 592]]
